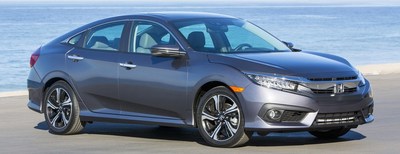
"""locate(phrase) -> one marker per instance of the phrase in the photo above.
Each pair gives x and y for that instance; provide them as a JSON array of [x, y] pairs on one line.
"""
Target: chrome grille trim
[[331, 90], [337, 85], [329, 87], [337, 118], [333, 79]]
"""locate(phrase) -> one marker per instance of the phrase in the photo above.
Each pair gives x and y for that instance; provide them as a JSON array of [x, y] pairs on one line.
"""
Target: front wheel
[[62, 109], [330, 134], [220, 119]]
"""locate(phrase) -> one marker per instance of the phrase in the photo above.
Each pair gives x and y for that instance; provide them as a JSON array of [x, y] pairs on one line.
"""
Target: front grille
[[333, 79], [331, 91], [293, 116], [337, 118]]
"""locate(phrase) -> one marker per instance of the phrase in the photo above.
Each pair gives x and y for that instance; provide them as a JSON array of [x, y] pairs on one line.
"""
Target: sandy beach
[[379, 69], [14, 93]]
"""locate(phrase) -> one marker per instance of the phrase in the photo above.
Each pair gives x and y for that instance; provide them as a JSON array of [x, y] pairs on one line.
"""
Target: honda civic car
[[221, 74]]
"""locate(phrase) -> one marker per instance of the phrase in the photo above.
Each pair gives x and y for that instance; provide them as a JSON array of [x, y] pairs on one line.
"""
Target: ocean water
[[363, 35]]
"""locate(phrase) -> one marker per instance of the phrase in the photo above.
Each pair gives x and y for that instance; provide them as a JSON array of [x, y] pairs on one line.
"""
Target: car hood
[[304, 64]]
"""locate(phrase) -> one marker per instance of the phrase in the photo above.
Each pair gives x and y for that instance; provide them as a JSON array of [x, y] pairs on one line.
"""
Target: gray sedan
[[223, 75]]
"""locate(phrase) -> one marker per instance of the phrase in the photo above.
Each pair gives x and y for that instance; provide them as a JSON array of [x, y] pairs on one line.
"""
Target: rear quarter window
[[74, 40]]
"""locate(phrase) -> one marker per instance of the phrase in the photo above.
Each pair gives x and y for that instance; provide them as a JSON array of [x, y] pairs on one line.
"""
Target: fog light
[[274, 114]]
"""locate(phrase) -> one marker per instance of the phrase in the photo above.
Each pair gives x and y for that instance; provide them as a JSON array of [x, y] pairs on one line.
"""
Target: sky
[[160, 2]]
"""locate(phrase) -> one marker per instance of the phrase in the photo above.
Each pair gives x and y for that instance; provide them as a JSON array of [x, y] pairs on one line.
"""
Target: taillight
[[34, 57]]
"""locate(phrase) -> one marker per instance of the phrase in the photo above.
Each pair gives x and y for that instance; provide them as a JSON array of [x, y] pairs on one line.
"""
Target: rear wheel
[[220, 119], [330, 134], [62, 109]]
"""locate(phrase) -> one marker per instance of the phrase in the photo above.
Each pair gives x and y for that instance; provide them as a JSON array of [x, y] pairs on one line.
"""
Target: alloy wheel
[[59, 108], [220, 117]]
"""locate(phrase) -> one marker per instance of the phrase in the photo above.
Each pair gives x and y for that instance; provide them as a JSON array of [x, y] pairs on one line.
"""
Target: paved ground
[[23, 131]]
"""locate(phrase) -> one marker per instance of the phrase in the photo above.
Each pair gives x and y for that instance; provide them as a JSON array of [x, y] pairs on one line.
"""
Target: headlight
[[275, 82], [362, 79]]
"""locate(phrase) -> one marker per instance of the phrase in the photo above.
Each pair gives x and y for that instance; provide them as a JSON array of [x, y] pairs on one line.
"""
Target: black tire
[[223, 127], [61, 109], [330, 134]]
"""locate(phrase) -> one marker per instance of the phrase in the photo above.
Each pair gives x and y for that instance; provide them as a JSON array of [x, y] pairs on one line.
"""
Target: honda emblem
[[338, 88]]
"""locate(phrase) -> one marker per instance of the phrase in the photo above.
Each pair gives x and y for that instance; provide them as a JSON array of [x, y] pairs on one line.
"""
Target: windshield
[[228, 36]]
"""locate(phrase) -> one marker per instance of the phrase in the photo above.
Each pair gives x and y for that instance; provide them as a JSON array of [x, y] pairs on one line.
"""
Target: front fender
[[215, 72]]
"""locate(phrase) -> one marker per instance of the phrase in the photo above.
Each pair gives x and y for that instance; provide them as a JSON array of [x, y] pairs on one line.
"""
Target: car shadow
[[192, 135], [42, 126], [299, 138]]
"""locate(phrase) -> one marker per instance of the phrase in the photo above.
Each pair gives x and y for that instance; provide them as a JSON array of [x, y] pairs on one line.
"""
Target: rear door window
[[105, 37]]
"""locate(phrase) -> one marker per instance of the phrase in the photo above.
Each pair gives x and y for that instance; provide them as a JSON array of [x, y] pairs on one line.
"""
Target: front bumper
[[305, 112]]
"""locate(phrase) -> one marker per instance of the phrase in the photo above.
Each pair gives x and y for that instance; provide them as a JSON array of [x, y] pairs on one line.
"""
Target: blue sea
[[363, 35]]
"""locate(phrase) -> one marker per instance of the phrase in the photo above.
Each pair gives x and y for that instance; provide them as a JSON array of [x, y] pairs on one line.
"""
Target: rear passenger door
[[93, 65]]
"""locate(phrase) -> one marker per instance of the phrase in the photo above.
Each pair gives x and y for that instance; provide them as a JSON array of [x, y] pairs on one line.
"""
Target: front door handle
[[127, 65], [75, 58]]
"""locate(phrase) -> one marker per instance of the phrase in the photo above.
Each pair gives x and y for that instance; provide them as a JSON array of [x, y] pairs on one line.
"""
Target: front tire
[[330, 134], [220, 119], [62, 109]]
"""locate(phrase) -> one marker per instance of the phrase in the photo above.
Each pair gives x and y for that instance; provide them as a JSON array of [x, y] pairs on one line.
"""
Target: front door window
[[148, 34]]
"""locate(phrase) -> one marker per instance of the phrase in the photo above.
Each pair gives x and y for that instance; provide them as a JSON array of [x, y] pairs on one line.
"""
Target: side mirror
[[167, 51], [291, 45], [288, 44]]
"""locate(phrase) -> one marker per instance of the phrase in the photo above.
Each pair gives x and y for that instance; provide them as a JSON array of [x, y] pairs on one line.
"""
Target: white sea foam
[[311, 16]]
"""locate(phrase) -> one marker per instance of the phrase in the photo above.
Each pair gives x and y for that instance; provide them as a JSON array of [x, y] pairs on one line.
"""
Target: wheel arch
[[47, 85], [52, 78], [238, 138], [201, 91], [52, 81], [226, 77]]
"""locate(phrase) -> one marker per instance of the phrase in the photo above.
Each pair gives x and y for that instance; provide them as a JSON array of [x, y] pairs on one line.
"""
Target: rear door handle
[[75, 58], [128, 65]]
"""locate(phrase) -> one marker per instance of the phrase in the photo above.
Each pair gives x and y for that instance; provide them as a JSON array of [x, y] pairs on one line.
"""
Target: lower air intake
[[337, 118]]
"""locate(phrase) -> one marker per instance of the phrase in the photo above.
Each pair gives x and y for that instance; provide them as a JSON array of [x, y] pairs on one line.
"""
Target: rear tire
[[62, 109], [330, 134], [220, 119]]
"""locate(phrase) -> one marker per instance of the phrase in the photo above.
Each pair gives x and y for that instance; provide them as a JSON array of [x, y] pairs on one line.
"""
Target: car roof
[[172, 16], [160, 16]]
